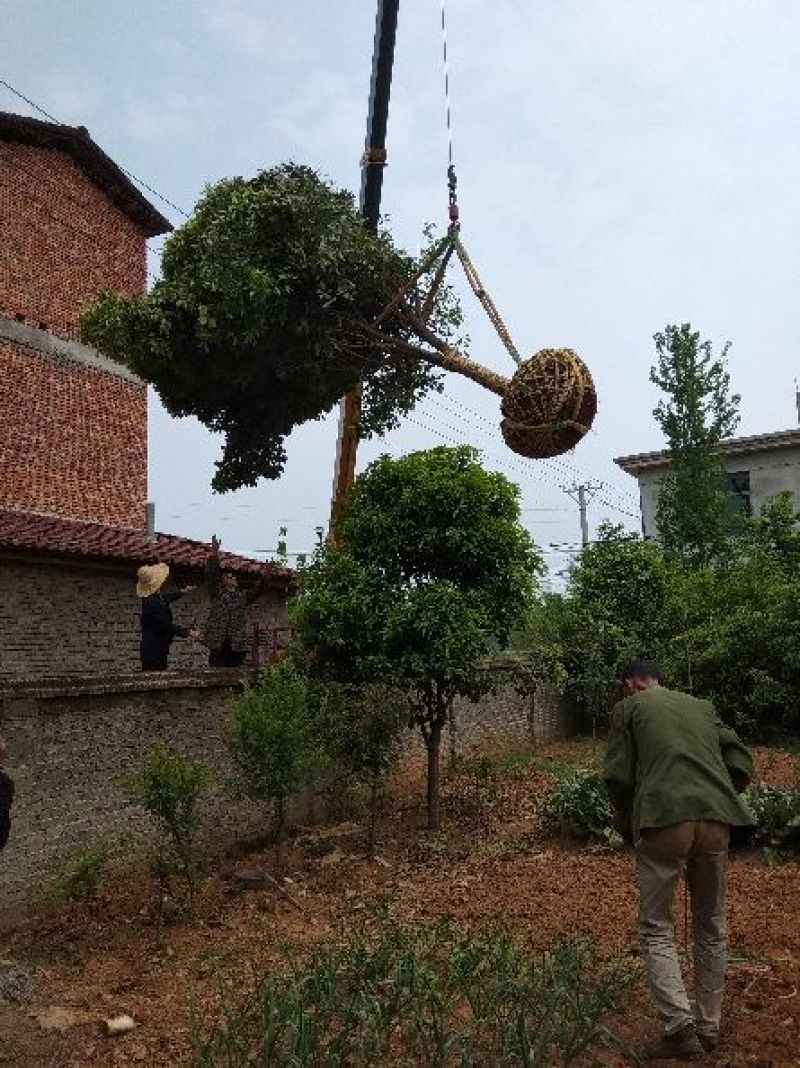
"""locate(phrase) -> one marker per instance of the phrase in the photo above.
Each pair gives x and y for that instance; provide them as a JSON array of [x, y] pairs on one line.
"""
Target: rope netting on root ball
[[549, 404]]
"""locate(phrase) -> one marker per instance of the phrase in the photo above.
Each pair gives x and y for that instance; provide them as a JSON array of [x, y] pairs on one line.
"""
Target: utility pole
[[372, 163], [582, 494]]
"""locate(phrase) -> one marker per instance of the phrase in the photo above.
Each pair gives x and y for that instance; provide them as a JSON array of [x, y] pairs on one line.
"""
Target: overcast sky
[[622, 164]]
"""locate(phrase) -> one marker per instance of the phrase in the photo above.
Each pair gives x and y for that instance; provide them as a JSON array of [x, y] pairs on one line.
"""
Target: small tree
[[170, 787], [697, 413], [272, 740], [362, 727], [430, 573]]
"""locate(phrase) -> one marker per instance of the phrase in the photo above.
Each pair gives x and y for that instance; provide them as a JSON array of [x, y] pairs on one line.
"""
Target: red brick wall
[[62, 240], [73, 440]]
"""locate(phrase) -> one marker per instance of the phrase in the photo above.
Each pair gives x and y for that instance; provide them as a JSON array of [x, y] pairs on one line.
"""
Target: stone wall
[[72, 741], [81, 620]]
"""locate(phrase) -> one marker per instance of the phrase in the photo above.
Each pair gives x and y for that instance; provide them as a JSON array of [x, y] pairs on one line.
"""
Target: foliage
[[540, 640], [272, 738], [429, 997], [742, 637], [698, 411], [362, 728], [777, 815], [579, 806], [260, 320], [80, 879], [430, 573], [728, 630], [621, 601], [170, 787]]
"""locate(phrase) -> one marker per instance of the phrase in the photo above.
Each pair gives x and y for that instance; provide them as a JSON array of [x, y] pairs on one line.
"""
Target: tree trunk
[[373, 817], [434, 746], [453, 360], [452, 735], [280, 834]]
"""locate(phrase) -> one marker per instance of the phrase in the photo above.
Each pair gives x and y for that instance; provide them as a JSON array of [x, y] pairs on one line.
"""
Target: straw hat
[[150, 579]]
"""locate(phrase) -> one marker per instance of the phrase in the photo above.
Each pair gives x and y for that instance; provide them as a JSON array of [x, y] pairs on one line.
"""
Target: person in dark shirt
[[226, 630], [6, 796], [158, 627]]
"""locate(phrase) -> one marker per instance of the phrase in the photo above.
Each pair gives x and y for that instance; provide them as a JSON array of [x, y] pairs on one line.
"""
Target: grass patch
[[423, 998]]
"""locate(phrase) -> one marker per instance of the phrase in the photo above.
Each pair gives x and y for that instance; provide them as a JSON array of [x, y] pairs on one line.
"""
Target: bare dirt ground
[[105, 957]]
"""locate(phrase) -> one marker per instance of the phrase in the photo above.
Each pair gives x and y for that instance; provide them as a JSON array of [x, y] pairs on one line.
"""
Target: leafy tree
[[743, 632], [272, 739], [620, 602], [265, 316], [362, 728], [697, 413], [430, 573]]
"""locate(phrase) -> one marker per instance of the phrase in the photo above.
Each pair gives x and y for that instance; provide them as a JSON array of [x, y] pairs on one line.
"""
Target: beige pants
[[663, 853]]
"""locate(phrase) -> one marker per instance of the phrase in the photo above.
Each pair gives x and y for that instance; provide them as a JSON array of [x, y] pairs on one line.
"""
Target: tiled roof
[[26, 532], [92, 160]]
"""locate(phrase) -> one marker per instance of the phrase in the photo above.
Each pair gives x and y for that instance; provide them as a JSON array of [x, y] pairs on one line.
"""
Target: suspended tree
[[275, 300], [430, 574]]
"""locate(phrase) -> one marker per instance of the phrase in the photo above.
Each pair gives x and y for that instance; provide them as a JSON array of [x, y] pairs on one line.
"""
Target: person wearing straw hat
[[158, 626]]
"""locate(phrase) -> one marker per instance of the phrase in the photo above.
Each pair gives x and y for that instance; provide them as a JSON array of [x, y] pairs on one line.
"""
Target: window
[[738, 489]]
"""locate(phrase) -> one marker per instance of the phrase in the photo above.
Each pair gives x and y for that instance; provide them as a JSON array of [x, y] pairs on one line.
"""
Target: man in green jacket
[[674, 774]]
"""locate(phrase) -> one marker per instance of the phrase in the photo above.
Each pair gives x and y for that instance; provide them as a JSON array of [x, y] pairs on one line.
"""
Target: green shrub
[[423, 998], [170, 788], [272, 739], [81, 877], [578, 806], [777, 815], [362, 728]]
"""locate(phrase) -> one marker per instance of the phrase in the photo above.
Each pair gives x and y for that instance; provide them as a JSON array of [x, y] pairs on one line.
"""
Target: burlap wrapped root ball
[[549, 404]]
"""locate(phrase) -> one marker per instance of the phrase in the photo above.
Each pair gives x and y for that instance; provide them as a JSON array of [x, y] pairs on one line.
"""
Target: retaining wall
[[72, 741]]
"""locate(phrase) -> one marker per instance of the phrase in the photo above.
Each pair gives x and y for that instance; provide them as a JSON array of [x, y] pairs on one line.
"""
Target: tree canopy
[[430, 573], [261, 319]]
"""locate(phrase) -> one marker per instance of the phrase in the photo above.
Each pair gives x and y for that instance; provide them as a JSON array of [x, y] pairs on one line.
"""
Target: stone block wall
[[71, 745], [71, 742], [82, 620]]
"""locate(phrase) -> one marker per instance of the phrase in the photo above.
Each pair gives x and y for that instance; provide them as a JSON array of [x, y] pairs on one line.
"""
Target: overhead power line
[[530, 469], [570, 469], [130, 174]]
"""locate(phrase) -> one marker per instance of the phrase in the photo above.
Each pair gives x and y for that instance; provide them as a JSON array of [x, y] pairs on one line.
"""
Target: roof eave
[[75, 141]]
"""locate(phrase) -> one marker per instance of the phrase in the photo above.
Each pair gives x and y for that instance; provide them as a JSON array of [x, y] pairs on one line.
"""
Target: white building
[[758, 467]]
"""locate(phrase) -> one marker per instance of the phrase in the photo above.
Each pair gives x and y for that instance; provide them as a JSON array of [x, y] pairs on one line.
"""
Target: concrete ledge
[[139, 682], [61, 349]]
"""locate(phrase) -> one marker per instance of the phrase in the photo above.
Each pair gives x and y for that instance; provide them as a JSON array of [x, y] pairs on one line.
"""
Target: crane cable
[[473, 278]]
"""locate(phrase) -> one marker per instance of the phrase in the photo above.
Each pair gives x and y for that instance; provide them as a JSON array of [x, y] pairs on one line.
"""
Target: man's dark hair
[[640, 668]]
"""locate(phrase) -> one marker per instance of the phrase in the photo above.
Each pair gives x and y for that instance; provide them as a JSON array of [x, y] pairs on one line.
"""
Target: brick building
[[73, 424]]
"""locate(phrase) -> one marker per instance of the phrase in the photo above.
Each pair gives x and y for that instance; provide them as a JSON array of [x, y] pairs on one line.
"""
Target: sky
[[623, 164]]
